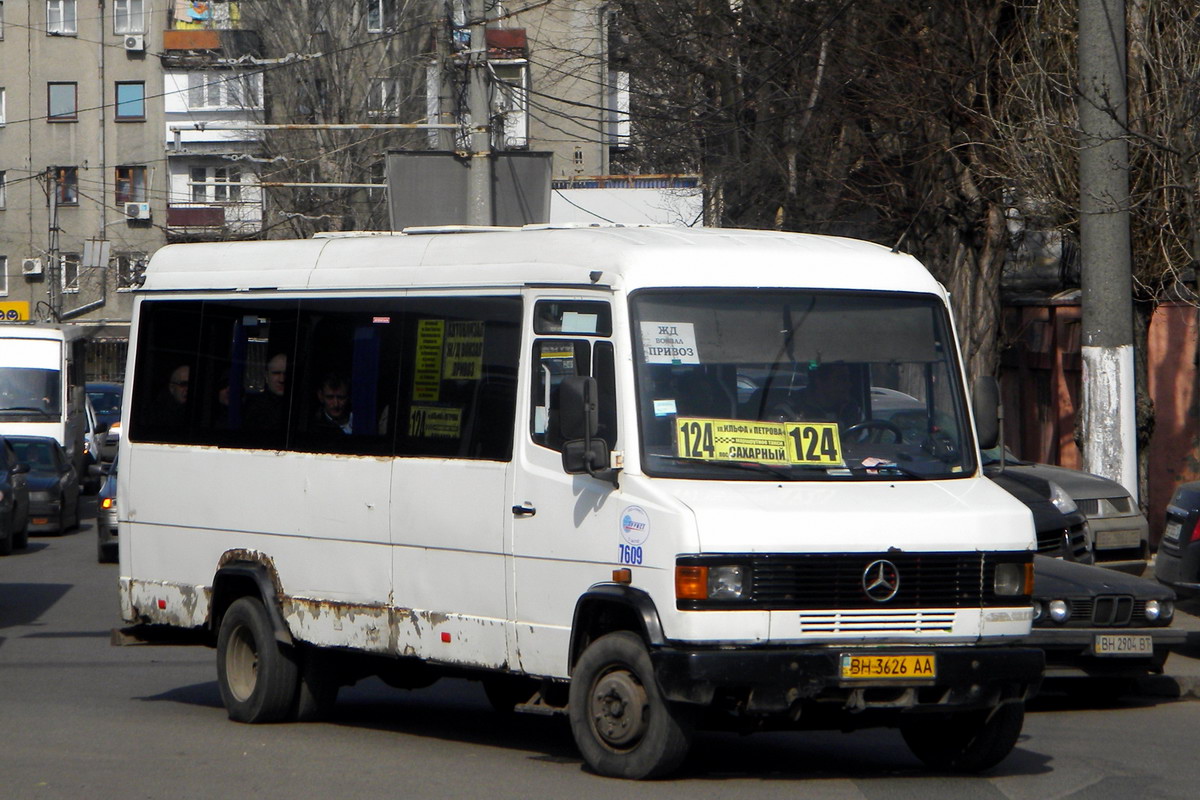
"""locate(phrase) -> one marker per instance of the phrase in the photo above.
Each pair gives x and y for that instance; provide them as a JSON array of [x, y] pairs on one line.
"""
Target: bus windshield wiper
[[778, 471]]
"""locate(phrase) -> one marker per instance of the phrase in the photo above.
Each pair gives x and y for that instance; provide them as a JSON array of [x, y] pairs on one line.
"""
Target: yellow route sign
[[807, 443]]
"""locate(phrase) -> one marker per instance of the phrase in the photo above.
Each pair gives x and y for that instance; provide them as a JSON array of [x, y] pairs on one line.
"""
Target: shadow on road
[[23, 603], [456, 711], [198, 694]]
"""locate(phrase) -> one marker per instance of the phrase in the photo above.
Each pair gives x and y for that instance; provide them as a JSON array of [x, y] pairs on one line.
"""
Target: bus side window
[[555, 359]]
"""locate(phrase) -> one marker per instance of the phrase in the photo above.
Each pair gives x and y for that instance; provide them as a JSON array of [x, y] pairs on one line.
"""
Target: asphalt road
[[83, 720]]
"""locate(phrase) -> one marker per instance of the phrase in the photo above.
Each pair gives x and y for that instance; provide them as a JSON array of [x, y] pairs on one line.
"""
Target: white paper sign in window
[[669, 343]]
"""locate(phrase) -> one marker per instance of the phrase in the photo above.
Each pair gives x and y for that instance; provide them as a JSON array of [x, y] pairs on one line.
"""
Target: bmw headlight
[[1159, 610], [1060, 611], [1061, 500]]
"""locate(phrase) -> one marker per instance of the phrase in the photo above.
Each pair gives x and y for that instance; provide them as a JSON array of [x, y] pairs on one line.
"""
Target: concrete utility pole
[[479, 211], [1109, 421]]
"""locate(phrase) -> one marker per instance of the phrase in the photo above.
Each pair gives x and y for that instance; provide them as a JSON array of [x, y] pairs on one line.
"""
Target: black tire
[[6, 544], [318, 689], [969, 741], [259, 680], [106, 553], [20, 539], [623, 726]]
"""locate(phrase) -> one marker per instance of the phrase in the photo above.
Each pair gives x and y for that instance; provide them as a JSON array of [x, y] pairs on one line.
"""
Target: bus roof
[[626, 257], [17, 330]]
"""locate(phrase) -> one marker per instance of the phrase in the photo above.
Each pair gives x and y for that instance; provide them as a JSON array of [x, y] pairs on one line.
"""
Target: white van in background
[[41, 385], [631, 474]]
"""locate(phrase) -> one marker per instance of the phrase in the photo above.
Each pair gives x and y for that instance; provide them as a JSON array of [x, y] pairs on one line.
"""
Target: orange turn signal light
[[691, 583]]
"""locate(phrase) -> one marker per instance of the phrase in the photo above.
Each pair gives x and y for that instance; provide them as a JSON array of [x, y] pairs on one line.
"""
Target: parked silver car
[[1119, 530]]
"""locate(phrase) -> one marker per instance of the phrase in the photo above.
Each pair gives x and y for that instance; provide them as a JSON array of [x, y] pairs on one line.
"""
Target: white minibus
[[656, 479], [42, 385]]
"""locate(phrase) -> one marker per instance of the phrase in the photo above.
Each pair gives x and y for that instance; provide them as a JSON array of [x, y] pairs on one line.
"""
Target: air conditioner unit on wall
[[31, 267], [137, 210], [135, 43]]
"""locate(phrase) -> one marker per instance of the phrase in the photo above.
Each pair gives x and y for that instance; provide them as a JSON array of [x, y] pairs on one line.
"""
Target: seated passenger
[[267, 410], [333, 414]]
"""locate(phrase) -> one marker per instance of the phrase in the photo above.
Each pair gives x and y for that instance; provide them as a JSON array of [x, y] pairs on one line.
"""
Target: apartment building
[[82, 174], [129, 124]]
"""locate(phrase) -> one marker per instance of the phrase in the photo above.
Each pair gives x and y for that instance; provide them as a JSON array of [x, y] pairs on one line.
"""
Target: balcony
[[195, 216]]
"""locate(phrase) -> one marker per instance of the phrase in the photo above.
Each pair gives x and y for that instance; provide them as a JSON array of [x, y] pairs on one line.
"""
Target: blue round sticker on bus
[[635, 525]]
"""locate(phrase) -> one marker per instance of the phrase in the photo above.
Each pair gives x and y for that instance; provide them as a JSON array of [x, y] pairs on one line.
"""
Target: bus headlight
[[711, 582], [725, 583], [1013, 579]]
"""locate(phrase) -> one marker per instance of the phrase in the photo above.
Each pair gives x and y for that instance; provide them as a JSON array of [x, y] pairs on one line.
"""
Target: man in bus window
[[170, 409], [333, 415], [268, 410]]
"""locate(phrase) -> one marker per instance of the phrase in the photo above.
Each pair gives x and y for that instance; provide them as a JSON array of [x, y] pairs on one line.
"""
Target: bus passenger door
[[560, 522]]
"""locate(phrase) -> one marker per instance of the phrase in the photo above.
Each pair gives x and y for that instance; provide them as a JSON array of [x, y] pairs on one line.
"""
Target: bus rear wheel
[[258, 678], [969, 741], [622, 724]]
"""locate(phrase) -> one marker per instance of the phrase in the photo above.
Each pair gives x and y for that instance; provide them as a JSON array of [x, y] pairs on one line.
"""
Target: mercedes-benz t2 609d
[[657, 479]]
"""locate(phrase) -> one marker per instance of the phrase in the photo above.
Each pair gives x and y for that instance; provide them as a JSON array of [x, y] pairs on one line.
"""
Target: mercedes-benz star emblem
[[881, 580]]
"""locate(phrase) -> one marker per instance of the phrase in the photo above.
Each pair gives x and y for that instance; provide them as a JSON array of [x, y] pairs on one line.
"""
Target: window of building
[[66, 186], [1, 19], [216, 185], [131, 100], [129, 16], [61, 102], [3, 191], [69, 262], [3, 118], [511, 102], [383, 99], [377, 20], [131, 185], [130, 267], [60, 17], [224, 89], [3, 272]]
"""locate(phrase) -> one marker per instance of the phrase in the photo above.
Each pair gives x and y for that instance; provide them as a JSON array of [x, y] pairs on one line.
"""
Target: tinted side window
[[381, 376], [458, 379]]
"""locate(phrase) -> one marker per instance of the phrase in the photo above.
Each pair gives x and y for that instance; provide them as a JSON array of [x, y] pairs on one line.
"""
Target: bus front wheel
[[969, 741], [258, 679], [622, 724]]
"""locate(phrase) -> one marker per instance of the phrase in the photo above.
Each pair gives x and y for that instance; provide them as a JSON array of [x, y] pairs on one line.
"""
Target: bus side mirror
[[985, 404], [579, 416], [579, 457]]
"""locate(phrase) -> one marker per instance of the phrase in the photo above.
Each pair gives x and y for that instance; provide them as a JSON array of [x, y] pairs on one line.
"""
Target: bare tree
[[871, 118], [338, 62]]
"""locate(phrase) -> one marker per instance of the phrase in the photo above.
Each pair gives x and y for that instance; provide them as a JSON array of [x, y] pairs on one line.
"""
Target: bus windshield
[[770, 384], [29, 394]]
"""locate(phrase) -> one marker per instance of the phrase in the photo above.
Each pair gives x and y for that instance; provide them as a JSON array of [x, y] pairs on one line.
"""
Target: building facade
[[82, 198], [129, 124]]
